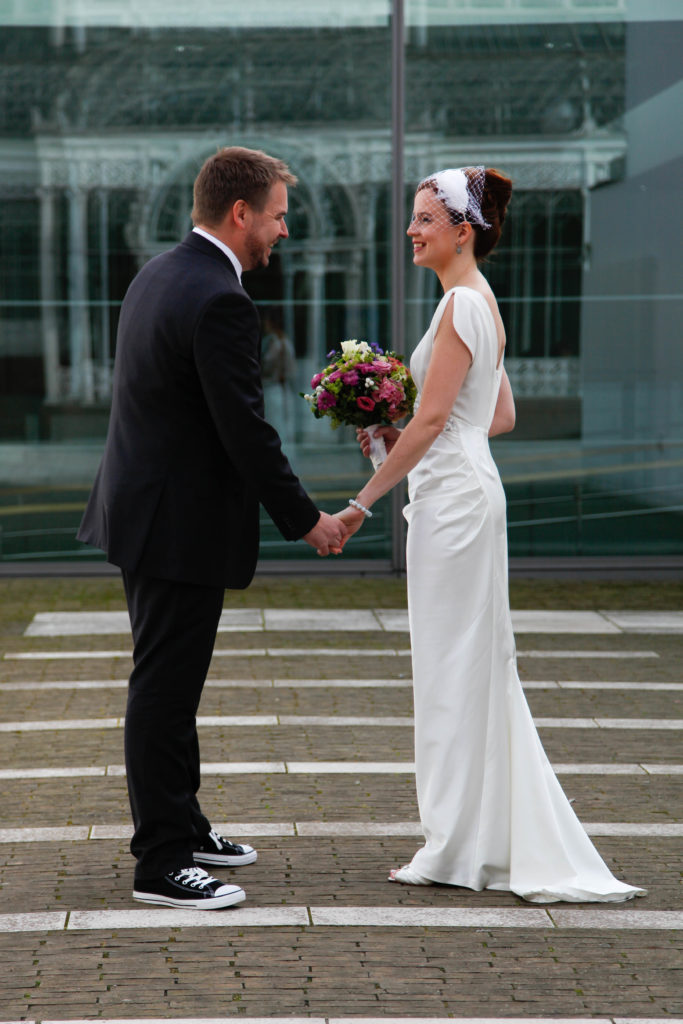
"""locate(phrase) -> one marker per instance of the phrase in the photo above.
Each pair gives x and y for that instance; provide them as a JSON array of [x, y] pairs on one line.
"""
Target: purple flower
[[315, 380]]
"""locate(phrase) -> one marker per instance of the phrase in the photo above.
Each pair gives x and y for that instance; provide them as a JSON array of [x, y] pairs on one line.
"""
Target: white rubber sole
[[227, 899], [225, 861]]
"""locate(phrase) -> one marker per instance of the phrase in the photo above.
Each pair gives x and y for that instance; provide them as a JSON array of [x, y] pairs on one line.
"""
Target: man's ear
[[240, 213]]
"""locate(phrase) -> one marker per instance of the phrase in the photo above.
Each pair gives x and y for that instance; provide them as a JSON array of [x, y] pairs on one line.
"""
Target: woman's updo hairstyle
[[494, 203], [476, 195]]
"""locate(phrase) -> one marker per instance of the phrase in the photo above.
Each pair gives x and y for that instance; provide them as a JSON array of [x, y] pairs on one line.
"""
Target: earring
[[458, 249]]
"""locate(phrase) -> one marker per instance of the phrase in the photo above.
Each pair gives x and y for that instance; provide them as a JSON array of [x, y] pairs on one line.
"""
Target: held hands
[[330, 533], [389, 433], [328, 536]]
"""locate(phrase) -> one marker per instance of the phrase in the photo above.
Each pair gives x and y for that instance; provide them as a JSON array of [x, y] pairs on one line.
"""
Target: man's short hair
[[235, 173]]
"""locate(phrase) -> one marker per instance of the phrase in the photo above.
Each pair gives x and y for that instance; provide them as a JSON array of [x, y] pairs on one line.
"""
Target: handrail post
[[398, 557]]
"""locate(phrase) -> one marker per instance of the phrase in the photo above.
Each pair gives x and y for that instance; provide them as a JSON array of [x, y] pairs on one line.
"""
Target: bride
[[493, 813]]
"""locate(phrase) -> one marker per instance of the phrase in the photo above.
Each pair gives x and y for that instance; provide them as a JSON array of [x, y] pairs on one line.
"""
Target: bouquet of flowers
[[365, 387]]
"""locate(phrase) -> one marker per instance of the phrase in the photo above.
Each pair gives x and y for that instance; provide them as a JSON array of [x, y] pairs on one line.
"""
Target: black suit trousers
[[174, 628]]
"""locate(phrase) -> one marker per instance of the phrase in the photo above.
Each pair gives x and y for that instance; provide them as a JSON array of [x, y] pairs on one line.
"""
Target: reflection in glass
[[104, 125]]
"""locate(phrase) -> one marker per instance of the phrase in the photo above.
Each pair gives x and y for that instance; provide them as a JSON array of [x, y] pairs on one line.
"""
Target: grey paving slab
[[639, 723], [234, 829], [618, 919], [50, 921], [473, 1020], [196, 1020], [626, 687], [53, 773], [72, 833], [158, 917], [428, 917], [78, 624], [569, 654], [647, 621], [80, 655], [640, 1020], [558, 622], [239, 620], [329, 620]]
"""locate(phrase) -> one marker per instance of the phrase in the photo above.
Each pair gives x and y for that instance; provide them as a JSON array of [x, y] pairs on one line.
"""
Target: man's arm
[[226, 356]]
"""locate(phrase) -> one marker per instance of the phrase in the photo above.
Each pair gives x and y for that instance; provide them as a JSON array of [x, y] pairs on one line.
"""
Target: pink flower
[[335, 375], [326, 400], [381, 367], [389, 392], [365, 368], [365, 402], [316, 380], [351, 377]]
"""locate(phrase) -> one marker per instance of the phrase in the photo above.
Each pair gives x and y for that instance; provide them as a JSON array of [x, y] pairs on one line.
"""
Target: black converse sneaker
[[188, 887], [217, 850]]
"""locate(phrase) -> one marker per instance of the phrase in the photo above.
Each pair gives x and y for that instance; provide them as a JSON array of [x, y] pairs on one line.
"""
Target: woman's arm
[[504, 415], [450, 361]]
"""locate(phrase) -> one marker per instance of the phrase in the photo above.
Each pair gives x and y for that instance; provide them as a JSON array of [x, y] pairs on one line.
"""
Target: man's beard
[[258, 254]]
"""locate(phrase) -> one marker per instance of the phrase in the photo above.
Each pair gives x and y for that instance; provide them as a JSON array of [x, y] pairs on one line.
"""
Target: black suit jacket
[[189, 455]]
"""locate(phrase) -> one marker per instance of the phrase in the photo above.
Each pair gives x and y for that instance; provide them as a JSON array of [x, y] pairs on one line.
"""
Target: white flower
[[452, 185], [353, 347]]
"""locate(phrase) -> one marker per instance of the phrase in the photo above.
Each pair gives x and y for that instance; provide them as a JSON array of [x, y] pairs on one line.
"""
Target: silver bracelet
[[361, 508]]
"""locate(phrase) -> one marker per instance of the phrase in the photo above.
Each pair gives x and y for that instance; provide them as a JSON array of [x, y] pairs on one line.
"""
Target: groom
[[175, 503]]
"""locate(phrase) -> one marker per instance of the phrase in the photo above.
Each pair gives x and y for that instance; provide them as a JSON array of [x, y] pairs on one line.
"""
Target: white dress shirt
[[224, 248]]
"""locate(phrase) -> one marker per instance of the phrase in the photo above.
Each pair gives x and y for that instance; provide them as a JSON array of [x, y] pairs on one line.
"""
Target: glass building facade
[[109, 107]]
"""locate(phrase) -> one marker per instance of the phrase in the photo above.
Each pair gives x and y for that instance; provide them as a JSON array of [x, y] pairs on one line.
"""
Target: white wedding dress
[[493, 814]]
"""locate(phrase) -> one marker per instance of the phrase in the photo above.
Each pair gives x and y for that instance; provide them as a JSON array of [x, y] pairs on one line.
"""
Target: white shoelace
[[195, 877]]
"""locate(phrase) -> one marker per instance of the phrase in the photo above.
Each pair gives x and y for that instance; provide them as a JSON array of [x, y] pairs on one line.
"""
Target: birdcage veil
[[460, 190]]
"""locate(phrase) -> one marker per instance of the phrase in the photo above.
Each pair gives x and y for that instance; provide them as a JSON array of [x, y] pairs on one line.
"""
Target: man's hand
[[327, 536]]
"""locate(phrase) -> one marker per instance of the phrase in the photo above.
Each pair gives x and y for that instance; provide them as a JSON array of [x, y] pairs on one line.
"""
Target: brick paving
[[332, 971]]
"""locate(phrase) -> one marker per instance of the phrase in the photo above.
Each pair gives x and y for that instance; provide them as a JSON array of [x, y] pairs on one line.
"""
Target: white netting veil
[[460, 190]]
